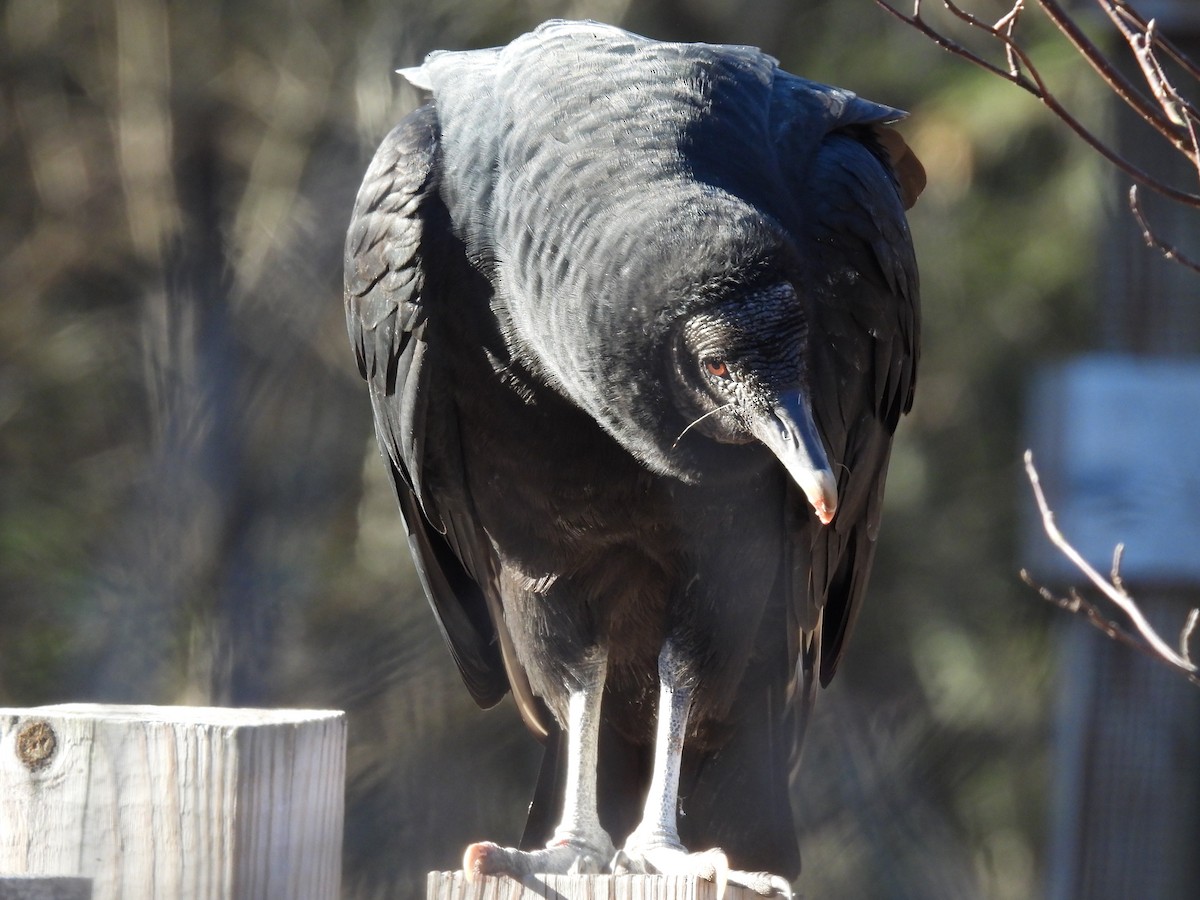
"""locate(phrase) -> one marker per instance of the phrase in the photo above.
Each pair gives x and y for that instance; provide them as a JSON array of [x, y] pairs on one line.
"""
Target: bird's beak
[[789, 432]]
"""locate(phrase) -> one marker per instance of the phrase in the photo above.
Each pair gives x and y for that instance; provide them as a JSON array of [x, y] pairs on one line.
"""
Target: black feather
[[523, 255]]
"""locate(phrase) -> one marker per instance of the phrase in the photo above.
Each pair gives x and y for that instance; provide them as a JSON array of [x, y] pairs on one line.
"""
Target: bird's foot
[[762, 883], [666, 856], [573, 855]]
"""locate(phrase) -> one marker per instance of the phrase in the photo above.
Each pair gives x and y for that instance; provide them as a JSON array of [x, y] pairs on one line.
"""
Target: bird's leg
[[580, 823], [654, 846], [658, 825], [579, 843]]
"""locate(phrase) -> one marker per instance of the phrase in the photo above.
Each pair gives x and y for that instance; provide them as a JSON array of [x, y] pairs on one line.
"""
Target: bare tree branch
[[1121, 86], [1076, 603], [1142, 45], [1164, 108], [1185, 636], [1169, 251], [1141, 636], [1120, 10], [1008, 23]]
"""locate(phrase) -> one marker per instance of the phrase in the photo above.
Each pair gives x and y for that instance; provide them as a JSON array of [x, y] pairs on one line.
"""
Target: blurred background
[[192, 507]]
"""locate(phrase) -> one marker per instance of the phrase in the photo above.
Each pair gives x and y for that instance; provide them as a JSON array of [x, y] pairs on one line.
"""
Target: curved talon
[[621, 863], [762, 883], [476, 859], [720, 872], [560, 858], [673, 859], [710, 865]]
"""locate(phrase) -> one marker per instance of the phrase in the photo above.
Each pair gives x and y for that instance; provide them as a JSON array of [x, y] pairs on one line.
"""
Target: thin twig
[[1075, 603], [1143, 635], [1120, 85], [1142, 41], [1190, 121], [1185, 636], [1172, 103], [1169, 251], [916, 21], [1143, 38], [1008, 23], [1115, 574], [1031, 82], [1119, 9]]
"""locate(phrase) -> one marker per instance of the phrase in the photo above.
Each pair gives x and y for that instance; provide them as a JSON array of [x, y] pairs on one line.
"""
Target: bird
[[638, 320]]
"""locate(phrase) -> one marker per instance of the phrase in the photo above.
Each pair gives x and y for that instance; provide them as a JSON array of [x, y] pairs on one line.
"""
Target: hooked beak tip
[[823, 497], [790, 433]]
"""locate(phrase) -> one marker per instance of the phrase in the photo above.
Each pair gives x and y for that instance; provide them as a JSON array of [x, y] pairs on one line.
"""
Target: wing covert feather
[[864, 368], [398, 234]]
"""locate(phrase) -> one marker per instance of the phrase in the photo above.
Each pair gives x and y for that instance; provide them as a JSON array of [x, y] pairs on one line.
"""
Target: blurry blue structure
[[1116, 440], [1118, 446]]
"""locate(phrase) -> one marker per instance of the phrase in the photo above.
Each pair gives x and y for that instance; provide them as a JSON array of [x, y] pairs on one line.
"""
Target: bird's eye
[[716, 368]]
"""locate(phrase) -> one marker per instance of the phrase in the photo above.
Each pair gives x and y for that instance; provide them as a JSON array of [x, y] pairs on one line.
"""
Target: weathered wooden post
[[454, 886], [173, 803]]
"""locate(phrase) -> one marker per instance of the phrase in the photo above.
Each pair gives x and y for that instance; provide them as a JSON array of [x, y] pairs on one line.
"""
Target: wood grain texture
[[175, 802], [454, 886]]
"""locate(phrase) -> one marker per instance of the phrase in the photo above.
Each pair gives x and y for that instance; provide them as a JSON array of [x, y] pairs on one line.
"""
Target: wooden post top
[[454, 886]]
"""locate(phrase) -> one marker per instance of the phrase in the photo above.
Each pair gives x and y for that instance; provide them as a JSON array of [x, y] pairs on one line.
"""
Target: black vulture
[[638, 320]]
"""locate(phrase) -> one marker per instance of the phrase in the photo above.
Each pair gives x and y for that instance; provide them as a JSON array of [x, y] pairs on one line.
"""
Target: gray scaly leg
[[579, 844]]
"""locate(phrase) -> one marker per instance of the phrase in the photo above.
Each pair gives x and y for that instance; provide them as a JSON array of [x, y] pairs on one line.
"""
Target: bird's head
[[683, 334], [740, 376]]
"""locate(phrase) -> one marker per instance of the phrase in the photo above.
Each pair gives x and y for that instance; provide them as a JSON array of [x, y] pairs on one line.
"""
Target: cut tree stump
[[175, 803], [454, 886]]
